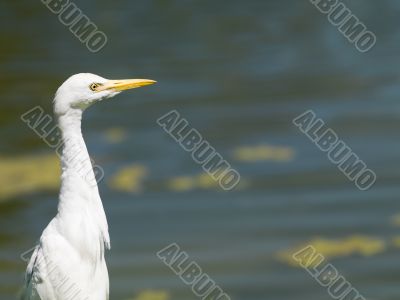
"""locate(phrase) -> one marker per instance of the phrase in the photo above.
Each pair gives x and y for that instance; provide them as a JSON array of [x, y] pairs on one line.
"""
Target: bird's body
[[68, 262]]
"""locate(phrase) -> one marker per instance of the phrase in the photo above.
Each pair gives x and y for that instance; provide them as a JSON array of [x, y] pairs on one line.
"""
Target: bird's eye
[[94, 86]]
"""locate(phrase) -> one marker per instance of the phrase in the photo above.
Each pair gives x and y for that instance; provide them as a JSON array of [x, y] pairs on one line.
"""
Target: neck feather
[[75, 159], [79, 192]]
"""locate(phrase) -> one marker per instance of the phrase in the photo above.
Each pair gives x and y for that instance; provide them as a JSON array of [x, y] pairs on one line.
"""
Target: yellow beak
[[124, 84]]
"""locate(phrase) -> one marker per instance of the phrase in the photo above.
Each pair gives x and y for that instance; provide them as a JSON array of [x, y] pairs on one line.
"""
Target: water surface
[[239, 72]]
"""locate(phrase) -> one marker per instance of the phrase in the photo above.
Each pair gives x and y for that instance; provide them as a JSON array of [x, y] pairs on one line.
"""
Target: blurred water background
[[239, 72]]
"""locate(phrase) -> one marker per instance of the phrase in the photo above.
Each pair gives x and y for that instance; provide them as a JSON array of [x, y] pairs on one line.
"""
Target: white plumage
[[68, 263]]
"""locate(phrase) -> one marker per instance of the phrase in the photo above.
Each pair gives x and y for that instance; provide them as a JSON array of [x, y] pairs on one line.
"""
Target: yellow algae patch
[[152, 295], [129, 179], [201, 181], [115, 135], [183, 183], [186, 183], [336, 248], [395, 220], [27, 174], [396, 241], [263, 153]]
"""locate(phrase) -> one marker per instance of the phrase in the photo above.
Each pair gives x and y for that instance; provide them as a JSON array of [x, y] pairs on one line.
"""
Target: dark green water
[[239, 72]]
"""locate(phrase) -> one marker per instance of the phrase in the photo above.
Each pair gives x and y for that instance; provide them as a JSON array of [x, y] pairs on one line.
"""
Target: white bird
[[68, 263]]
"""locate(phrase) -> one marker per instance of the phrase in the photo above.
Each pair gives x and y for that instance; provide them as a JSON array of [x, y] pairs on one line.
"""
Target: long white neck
[[79, 192], [75, 158]]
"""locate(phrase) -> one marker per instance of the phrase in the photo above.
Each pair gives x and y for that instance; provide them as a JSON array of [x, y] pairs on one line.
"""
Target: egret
[[68, 262]]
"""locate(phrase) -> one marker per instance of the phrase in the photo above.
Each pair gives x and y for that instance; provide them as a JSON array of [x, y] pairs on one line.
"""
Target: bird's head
[[82, 90]]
